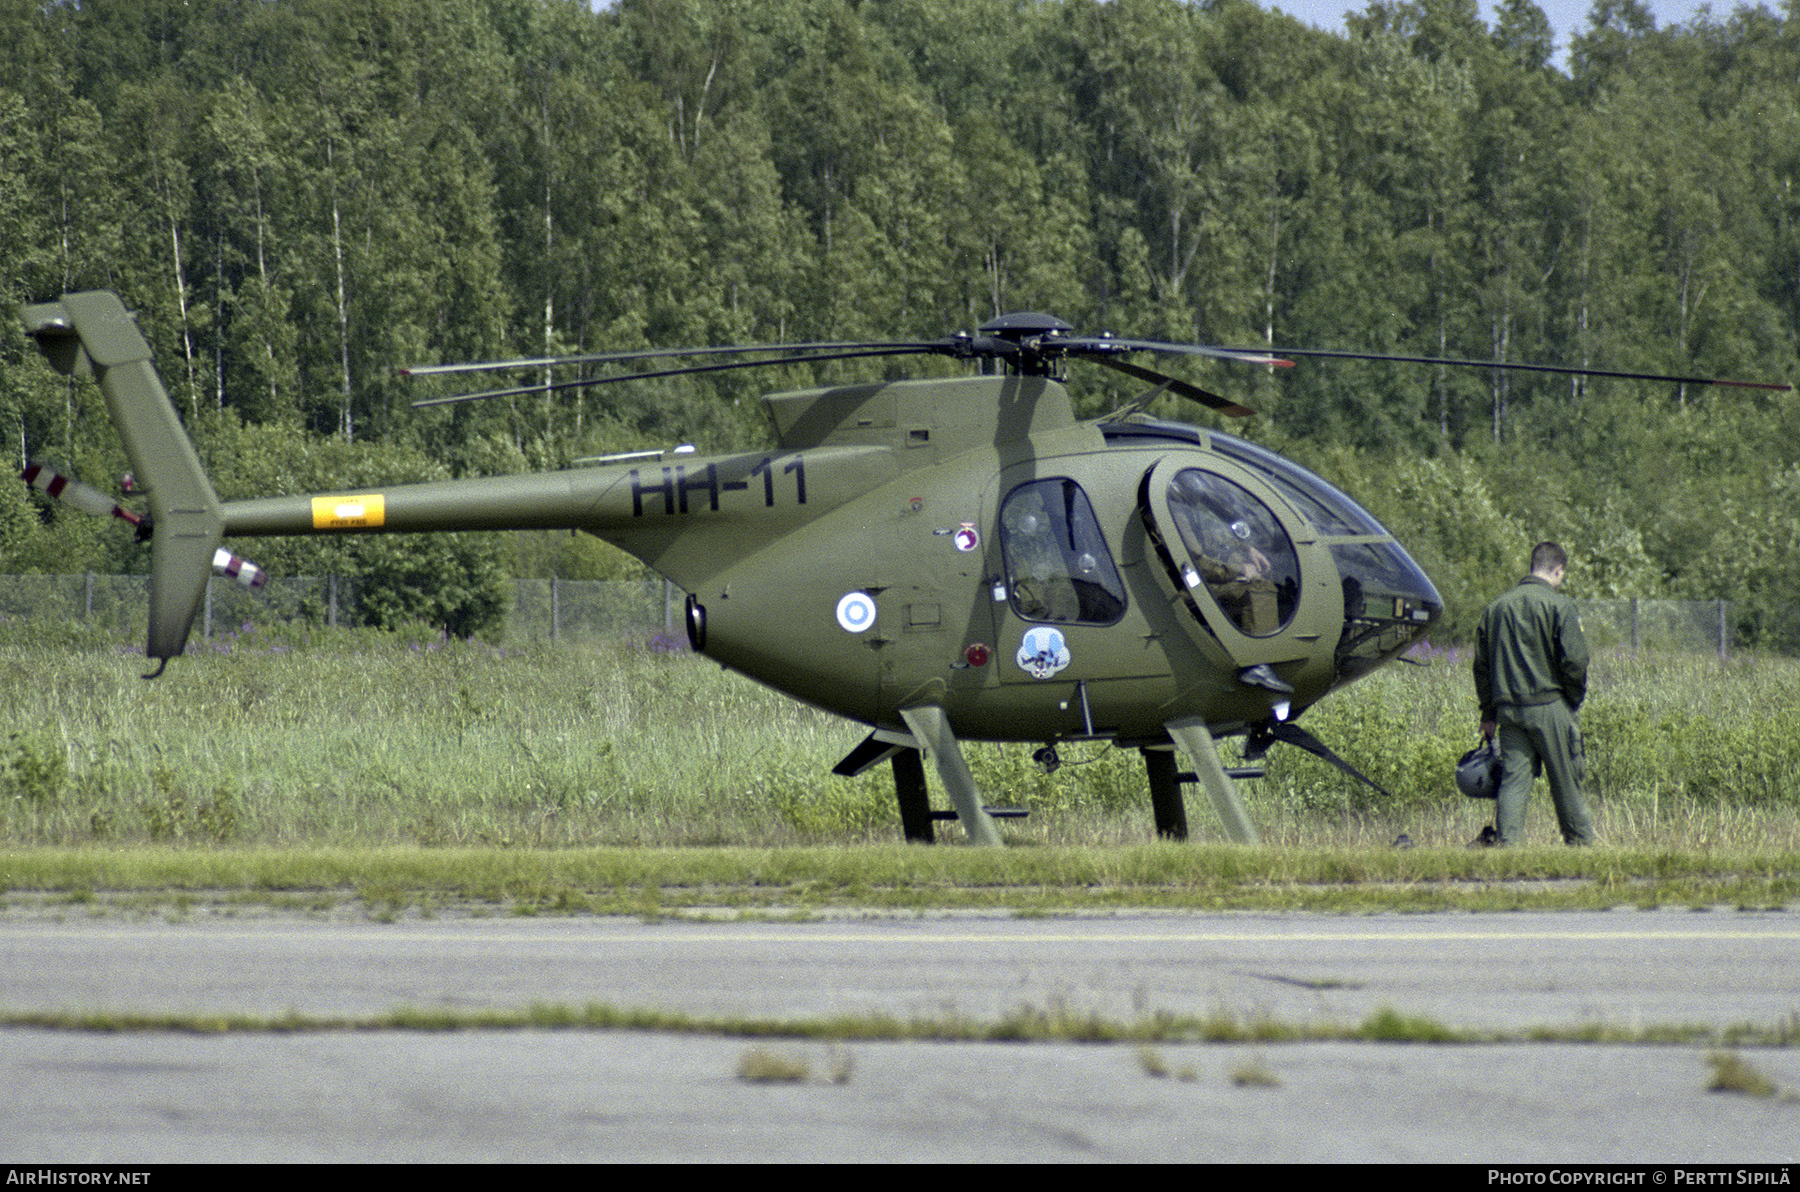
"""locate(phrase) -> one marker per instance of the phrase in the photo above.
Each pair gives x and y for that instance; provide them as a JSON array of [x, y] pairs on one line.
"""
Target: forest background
[[299, 196]]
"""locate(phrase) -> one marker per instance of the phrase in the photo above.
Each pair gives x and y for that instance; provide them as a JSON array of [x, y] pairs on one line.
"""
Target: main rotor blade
[[1175, 385], [439, 370], [518, 391], [1095, 347], [1543, 368]]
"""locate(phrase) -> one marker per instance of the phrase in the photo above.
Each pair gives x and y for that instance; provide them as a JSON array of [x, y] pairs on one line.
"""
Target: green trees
[[456, 582], [300, 197]]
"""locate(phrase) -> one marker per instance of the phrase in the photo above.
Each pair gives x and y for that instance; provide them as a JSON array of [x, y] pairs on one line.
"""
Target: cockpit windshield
[[1389, 603], [1327, 507]]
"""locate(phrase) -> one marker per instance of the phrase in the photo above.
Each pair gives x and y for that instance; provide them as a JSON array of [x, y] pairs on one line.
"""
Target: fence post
[[1634, 626], [331, 601], [90, 597], [1721, 605]]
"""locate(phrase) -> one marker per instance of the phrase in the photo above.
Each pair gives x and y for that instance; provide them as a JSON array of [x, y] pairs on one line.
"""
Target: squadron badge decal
[[1043, 652]]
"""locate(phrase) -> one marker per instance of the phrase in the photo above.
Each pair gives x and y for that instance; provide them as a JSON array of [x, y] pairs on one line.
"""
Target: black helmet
[[1478, 771]]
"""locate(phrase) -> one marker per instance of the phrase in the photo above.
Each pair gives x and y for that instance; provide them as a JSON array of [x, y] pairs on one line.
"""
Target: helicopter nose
[[1389, 604]]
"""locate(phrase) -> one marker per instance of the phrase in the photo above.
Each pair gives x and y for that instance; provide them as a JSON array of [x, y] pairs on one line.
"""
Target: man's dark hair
[[1547, 556]]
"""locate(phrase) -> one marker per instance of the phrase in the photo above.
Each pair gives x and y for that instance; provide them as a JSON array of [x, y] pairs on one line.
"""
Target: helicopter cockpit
[[1389, 603], [1220, 539]]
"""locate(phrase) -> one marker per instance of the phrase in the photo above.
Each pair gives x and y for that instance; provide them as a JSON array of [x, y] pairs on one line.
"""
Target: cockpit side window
[[1237, 550], [1058, 567]]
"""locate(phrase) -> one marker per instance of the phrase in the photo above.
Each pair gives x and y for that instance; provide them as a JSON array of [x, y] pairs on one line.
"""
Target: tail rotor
[[71, 492], [92, 335]]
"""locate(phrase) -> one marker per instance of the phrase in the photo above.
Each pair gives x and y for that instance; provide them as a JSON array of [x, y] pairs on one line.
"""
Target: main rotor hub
[[1029, 339], [1025, 324]]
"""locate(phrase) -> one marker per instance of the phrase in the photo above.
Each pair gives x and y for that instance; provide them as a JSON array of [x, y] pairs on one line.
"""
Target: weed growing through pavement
[[768, 1065], [1154, 1065], [1732, 1073], [1254, 1073]]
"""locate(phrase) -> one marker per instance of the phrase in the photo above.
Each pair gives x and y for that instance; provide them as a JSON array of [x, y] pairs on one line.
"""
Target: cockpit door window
[[1058, 567], [1221, 538]]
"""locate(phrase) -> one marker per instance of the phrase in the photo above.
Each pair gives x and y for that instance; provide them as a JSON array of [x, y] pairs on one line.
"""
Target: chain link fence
[[1677, 626], [568, 609], [556, 609]]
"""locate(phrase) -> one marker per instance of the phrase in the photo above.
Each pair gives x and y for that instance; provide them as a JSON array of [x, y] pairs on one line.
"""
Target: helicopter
[[938, 560]]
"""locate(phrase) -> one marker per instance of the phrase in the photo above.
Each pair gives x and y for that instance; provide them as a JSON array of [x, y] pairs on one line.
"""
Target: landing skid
[[932, 729], [1191, 736], [931, 736]]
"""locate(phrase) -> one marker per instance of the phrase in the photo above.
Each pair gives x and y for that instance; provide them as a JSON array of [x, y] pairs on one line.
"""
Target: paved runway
[[548, 1095]]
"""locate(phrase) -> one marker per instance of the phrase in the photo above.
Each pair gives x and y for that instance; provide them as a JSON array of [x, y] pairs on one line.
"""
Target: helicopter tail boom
[[686, 516], [681, 514]]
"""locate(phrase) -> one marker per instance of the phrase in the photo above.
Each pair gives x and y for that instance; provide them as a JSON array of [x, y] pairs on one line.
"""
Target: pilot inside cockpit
[[1058, 567], [1238, 550], [1042, 589]]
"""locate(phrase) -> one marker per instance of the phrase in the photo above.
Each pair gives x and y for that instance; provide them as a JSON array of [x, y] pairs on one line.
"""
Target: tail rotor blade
[[69, 491], [238, 568], [75, 494]]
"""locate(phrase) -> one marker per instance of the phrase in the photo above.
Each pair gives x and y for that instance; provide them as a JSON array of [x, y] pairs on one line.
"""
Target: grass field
[[635, 776]]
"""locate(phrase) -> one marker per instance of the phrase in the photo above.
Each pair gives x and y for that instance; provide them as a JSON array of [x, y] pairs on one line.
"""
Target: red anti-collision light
[[976, 655]]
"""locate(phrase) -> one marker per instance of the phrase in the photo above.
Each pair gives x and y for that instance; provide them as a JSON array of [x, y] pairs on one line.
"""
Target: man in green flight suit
[[1530, 678]]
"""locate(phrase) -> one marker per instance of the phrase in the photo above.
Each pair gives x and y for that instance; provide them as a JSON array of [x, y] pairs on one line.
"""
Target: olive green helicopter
[[939, 560]]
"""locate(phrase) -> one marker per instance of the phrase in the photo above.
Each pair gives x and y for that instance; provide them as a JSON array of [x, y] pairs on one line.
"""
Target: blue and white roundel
[[1043, 652], [856, 612]]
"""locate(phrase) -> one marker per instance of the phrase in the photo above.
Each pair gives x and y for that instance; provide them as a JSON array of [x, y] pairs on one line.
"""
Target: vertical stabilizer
[[91, 334]]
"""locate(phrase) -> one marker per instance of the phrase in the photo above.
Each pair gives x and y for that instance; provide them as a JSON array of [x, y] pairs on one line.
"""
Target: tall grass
[[286, 737]]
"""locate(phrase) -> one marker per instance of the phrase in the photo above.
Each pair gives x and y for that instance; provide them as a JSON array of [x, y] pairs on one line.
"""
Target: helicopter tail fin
[[92, 335]]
